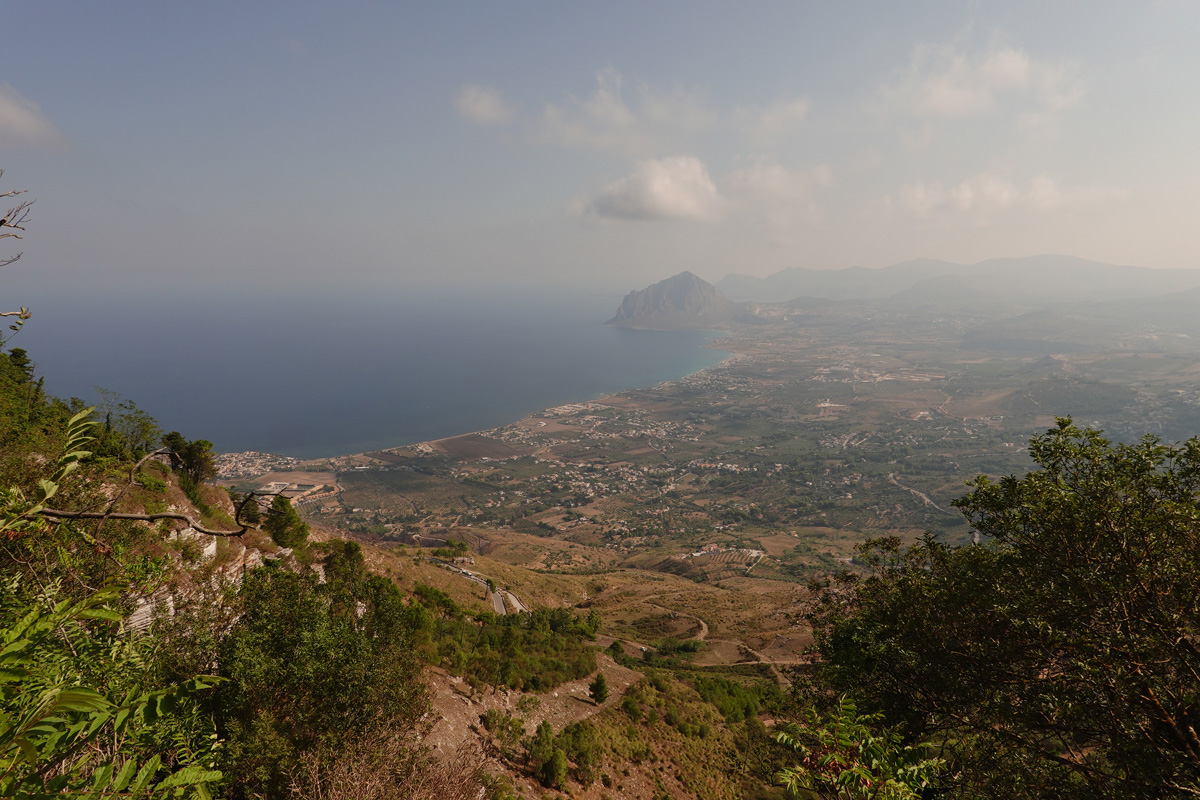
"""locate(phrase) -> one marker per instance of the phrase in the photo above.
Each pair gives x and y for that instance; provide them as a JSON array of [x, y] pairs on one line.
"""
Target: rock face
[[682, 301]]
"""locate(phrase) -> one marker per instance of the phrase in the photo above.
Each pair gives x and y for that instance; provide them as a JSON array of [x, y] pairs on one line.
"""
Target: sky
[[409, 147]]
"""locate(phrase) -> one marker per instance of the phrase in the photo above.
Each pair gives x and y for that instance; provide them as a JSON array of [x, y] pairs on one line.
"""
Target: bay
[[314, 374]]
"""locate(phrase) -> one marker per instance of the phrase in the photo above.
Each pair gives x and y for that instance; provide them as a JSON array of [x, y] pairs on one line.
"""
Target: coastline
[[733, 356], [718, 341]]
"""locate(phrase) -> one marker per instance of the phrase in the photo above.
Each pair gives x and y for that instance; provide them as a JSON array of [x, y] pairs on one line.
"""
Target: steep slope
[[681, 301]]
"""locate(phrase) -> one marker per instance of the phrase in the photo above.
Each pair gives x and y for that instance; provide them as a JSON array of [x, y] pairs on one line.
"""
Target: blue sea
[[318, 374]]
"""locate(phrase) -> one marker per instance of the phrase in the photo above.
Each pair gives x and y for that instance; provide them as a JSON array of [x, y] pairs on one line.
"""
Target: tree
[[302, 677], [344, 564], [599, 689], [14, 219], [1060, 657], [250, 510], [194, 459], [841, 757], [553, 773], [21, 363], [128, 431], [541, 747], [284, 523]]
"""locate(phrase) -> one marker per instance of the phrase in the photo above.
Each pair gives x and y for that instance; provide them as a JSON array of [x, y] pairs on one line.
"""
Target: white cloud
[[987, 195], [640, 121], [945, 81], [482, 105], [23, 125], [605, 121], [676, 188]]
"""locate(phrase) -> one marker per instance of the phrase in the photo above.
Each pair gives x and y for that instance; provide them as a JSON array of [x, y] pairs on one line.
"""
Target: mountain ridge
[[1033, 278]]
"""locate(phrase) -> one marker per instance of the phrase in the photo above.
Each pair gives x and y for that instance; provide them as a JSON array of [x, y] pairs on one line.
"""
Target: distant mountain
[[1070, 279], [1163, 323], [1032, 281], [681, 301], [851, 283]]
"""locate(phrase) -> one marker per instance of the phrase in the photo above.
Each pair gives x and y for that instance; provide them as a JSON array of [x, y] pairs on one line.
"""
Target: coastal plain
[[702, 508]]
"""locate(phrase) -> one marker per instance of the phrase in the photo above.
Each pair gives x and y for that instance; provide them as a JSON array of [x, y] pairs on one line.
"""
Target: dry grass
[[388, 765]]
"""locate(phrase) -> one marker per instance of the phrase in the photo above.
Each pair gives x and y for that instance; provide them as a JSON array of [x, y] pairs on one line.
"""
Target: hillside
[[342, 662], [626, 597], [681, 301]]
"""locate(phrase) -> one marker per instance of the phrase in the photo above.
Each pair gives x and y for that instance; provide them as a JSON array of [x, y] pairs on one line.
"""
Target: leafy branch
[[47, 722], [841, 757]]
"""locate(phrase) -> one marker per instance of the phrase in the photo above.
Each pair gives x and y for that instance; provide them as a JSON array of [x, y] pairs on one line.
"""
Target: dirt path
[[702, 636], [924, 497], [457, 708]]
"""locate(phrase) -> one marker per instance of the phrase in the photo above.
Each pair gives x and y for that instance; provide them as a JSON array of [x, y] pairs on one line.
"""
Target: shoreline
[[348, 459], [733, 356]]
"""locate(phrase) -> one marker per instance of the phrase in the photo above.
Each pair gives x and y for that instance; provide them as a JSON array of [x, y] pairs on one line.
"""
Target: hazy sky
[[400, 145]]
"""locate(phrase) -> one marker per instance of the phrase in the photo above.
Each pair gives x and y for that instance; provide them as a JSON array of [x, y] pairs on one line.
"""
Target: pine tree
[[284, 524], [599, 688]]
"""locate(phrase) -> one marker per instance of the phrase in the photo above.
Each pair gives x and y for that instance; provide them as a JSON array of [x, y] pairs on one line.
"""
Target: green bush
[[631, 708], [304, 669], [151, 483], [284, 523], [504, 726], [735, 701], [553, 773], [78, 709], [525, 652]]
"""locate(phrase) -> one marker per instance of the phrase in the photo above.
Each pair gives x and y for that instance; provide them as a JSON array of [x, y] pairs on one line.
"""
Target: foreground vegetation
[[1058, 660]]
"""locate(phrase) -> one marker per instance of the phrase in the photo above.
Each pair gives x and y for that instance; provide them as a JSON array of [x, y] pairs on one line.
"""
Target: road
[[497, 598], [517, 605]]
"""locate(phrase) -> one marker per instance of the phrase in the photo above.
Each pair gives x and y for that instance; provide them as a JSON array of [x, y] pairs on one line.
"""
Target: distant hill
[[1162, 323], [681, 301], [1032, 281], [851, 283]]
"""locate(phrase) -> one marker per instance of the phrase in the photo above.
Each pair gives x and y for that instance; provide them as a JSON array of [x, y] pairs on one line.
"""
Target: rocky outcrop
[[680, 302]]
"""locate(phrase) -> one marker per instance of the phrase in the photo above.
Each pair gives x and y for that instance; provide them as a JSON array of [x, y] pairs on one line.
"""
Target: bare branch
[[10, 192], [133, 472], [194, 524], [15, 218]]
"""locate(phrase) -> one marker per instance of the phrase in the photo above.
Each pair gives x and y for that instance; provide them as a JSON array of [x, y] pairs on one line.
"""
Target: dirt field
[[776, 546], [307, 478], [472, 445]]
